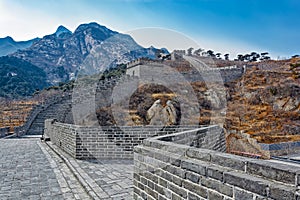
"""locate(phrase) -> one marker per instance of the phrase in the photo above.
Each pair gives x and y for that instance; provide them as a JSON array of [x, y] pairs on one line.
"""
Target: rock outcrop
[[158, 114]]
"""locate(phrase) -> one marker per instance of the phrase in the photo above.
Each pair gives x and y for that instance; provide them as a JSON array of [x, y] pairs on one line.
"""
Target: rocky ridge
[[90, 49]]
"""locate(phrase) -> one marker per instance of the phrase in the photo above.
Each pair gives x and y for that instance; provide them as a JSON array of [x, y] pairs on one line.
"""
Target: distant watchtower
[[142, 66]]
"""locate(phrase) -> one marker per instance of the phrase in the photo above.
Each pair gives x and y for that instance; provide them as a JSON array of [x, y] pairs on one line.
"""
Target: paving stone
[[31, 170]]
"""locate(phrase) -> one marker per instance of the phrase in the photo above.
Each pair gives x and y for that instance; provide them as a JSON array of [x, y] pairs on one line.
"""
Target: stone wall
[[281, 149], [62, 135], [4, 131], [84, 142], [146, 71], [42, 109], [164, 169]]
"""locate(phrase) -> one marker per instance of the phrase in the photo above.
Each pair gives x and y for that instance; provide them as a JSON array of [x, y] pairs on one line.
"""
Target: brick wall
[[164, 169], [84, 142], [62, 135]]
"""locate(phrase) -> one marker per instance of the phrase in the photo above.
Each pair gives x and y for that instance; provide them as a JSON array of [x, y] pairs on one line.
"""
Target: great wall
[[176, 162]]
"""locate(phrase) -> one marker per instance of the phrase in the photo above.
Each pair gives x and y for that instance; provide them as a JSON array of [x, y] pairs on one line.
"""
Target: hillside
[[265, 103], [8, 45], [19, 78]]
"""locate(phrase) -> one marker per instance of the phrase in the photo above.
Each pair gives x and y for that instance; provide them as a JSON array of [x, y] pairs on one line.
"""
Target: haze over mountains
[[91, 48], [8, 45]]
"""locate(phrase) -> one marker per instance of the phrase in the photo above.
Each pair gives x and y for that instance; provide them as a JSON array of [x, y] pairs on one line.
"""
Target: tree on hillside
[[264, 56], [218, 55], [198, 51], [254, 56], [226, 56], [210, 53], [189, 51], [240, 57]]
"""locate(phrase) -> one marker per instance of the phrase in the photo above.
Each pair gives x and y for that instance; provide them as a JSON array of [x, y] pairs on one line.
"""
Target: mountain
[[8, 45], [19, 78], [90, 49], [62, 32]]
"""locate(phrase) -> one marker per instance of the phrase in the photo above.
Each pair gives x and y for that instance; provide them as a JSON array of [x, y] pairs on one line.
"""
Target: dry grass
[[14, 113]]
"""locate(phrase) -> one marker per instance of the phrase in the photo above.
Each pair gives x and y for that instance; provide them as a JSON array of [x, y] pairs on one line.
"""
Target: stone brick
[[215, 172], [176, 197], [195, 188], [217, 186], [159, 189], [177, 180], [193, 177], [178, 190], [282, 192], [136, 190], [175, 171], [200, 154], [275, 171], [228, 160], [136, 176], [214, 195], [162, 182], [194, 166], [242, 195], [247, 182], [151, 192], [161, 198], [192, 196]]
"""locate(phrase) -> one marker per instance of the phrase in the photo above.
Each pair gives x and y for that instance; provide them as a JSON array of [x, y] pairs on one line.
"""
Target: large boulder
[[162, 115]]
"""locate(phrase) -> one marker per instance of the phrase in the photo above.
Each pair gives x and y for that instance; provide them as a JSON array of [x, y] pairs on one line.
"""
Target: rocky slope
[[265, 103]]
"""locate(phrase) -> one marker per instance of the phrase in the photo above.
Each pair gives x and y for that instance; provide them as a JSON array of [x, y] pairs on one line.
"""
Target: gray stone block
[[214, 195], [200, 154], [193, 177], [217, 186], [195, 188], [242, 195], [194, 166], [247, 182], [282, 192], [215, 172], [192, 196], [275, 171], [228, 160], [178, 190]]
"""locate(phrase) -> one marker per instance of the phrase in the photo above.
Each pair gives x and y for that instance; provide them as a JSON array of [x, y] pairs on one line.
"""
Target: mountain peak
[[98, 32], [94, 25], [61, 29], [7, 39]]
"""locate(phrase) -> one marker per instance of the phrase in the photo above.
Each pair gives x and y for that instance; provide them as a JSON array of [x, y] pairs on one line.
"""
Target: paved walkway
[[25, 171], [114, 177], [31, 169]]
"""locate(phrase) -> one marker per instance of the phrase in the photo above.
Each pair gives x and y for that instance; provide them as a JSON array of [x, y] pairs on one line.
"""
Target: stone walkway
[[113, 176], [25, 171], [31, 169]]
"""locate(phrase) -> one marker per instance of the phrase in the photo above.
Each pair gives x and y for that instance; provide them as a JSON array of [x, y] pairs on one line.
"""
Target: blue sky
[[233, 26]]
